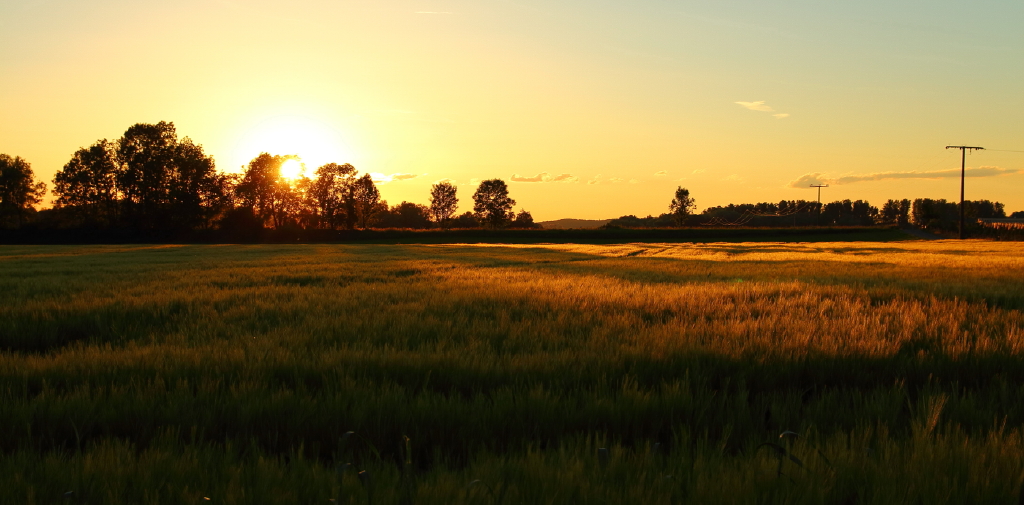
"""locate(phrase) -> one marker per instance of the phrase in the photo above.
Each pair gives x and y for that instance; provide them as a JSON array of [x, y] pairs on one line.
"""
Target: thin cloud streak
[[758, 106], [611, 180], [545, 177], [379, 178], [818, 178]]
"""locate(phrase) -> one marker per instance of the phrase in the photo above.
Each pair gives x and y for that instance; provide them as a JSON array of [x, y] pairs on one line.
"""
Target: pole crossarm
[[966, 147]]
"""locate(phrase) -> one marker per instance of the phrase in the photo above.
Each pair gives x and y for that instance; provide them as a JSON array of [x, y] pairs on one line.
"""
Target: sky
[[588, 109]]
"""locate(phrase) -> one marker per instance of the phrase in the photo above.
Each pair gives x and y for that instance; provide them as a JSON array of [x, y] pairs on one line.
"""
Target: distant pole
[[963, 170], [819, 186]]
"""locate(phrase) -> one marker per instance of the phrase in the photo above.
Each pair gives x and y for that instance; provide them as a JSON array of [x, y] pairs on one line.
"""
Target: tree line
[[926, 213], [151, 181]]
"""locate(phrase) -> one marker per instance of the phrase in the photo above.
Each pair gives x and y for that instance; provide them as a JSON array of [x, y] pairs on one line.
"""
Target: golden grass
[[140, 371]]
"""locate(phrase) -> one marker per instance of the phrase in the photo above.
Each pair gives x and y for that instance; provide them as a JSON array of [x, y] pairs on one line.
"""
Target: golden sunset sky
[[608, 106]]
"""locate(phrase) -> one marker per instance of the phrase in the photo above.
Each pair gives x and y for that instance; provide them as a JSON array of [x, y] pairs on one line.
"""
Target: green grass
[[172, 373]]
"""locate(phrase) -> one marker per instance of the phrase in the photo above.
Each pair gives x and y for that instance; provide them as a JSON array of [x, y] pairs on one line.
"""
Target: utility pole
[[963, 170], [819, 186]]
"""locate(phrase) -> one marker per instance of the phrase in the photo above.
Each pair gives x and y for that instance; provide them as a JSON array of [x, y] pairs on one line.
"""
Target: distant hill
[[579, 224]]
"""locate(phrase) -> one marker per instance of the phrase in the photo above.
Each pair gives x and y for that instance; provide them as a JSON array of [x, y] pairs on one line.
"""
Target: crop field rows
[[830, 372]]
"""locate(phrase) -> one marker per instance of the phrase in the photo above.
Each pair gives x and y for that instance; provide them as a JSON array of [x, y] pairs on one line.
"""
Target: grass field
[[490, 374]]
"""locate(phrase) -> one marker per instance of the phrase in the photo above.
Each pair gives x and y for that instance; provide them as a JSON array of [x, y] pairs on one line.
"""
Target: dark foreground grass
[[459, 374]]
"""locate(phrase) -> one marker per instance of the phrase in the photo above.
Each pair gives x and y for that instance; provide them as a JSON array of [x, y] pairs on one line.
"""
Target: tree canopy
[[19, 193], [146, 180], [492, 204], [682, 206], [443, 203]]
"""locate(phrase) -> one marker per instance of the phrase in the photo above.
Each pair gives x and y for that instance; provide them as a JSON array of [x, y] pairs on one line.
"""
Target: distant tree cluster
[[149, 180], [940, 215], [936, 215]]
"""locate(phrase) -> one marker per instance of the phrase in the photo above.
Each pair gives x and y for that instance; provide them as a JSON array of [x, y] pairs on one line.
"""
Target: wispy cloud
[[699, 171], [818, 178], [379, 178], [661, 173], [545, 177], [599, 179], [449, 181], [758, 106]]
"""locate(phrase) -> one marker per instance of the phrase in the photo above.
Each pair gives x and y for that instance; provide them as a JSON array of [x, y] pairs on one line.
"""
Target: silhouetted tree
[[195, 191], [847, 212], [87, 185], [146, 153], [492, 205], [975, 209], [945, 216], [366, 198], [405, 215], [524, 220], [330, 194], [443, 203], [682, 206], [895, 212], [934, 214], [19, 192], [165, 183], [264, 192], [465, 220]]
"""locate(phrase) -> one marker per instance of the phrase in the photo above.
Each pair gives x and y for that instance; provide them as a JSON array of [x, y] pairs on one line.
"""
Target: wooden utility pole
[[819, 186], [963, 170]]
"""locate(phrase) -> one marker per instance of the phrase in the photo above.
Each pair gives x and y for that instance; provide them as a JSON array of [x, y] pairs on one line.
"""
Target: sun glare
[[314, 141], [291, 169]]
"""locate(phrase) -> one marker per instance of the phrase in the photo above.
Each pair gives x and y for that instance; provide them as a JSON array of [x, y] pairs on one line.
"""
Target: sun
[[314, 141], [292, 169]]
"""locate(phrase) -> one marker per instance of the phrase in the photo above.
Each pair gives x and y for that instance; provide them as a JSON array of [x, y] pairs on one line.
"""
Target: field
[[829, 372]]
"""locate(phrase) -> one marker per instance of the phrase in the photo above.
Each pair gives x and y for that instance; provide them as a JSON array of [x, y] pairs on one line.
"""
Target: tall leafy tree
[[146, 153], [264, 192], [165, 183], [682, 206], [330, 194], [19, 192], [195, 191], [366, 200], [443, 203], [87, 185], [492, 204]]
